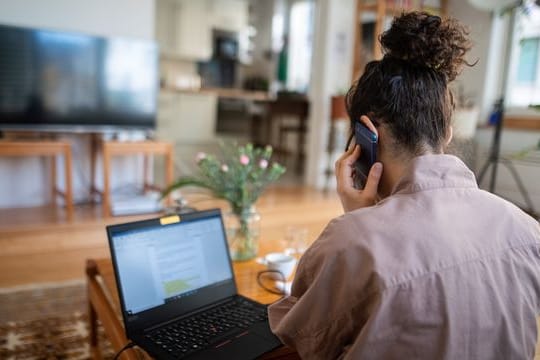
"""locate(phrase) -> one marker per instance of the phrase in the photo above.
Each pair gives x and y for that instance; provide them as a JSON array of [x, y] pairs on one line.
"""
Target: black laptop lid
[[169, 266]]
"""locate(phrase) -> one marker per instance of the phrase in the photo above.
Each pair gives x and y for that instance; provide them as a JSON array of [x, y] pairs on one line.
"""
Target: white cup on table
[[281, 262]]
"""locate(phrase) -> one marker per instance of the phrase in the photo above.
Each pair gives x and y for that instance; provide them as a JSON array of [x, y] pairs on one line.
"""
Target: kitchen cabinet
[[184, 27], [164, 20], [186, 118], [229, 15], [193, 30]]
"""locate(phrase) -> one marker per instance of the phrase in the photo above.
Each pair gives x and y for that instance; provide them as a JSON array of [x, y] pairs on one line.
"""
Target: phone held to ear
[[368, 153]]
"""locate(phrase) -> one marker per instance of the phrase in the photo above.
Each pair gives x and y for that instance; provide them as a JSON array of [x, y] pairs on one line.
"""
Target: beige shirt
[[438, 270]]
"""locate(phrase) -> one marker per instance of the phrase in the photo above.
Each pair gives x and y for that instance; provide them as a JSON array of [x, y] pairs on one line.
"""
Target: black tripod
[[497, 117]]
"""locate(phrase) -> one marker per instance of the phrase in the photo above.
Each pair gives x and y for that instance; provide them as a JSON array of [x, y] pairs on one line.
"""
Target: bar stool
[[147, 148], [49, 149], [281, 110]]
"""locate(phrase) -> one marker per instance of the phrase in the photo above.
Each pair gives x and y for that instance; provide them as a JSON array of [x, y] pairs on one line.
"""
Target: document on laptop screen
[[163, 263]]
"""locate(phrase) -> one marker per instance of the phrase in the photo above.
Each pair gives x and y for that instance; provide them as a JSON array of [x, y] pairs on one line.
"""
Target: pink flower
[[244, 159], [224, 168], [263, 164], [200, 157]]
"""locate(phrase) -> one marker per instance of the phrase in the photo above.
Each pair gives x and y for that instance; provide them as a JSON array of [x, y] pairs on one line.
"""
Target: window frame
[[523, 29]]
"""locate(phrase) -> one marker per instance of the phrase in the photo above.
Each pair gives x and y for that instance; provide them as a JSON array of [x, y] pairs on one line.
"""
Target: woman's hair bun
[[423, 39]]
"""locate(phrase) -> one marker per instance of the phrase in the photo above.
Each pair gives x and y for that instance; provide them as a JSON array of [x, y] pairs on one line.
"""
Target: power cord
[[129, 345], [261, 283]]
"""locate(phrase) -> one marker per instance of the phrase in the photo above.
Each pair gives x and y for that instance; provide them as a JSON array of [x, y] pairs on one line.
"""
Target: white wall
[[332, 67], [130, 18], [473, 79], [24, 181]]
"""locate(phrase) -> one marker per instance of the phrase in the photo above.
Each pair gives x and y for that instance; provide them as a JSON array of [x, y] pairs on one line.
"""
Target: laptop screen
[[159, 264]]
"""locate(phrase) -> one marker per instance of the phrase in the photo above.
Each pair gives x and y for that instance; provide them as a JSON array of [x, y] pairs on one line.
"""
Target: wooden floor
[[41, 245]]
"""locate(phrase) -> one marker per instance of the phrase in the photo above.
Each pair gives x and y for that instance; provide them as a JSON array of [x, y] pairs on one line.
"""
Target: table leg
[[91, 273], [105, 311], [93, 336], [256, 122], [106, 191], [146, 162], [268, 136], [169, 171], [69, 186], [54, 190], [301, 145], [330, 147], [94, 145]]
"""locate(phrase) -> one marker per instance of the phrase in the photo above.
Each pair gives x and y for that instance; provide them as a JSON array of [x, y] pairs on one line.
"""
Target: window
[[524, 75], [300, 45], [528, 58]]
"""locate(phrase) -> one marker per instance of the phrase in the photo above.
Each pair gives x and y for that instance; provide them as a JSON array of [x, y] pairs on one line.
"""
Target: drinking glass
[[295, 240]]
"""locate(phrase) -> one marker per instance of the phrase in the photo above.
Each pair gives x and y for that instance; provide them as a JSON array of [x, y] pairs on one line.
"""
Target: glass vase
[[243, 230]]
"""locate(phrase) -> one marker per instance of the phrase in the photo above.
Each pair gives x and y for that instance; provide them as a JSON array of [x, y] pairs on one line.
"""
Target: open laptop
[[178, 293]]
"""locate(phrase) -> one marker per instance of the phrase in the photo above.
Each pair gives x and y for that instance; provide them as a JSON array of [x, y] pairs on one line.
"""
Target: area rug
[[47, 321]]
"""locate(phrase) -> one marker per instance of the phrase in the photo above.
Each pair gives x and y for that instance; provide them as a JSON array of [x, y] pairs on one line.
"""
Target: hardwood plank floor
[[41, 245]]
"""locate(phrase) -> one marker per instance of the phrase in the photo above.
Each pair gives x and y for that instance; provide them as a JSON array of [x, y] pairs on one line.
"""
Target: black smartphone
[[367, 140]]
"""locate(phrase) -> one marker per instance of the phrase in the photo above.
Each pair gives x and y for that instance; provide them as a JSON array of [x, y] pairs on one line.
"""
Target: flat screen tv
[[60, 81]]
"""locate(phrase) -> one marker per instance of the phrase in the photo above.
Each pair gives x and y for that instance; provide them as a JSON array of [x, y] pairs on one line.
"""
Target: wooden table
[[103, 305], [50, 149]]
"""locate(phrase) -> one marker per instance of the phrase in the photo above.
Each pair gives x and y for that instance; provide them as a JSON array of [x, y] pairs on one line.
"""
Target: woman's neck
[[396, 160], [393, 171]]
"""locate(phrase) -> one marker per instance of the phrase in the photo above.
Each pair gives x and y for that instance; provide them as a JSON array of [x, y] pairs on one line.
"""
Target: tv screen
[[52, 80]]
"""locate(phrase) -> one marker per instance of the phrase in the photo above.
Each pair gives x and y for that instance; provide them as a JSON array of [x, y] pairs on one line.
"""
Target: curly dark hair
[[408, 89]]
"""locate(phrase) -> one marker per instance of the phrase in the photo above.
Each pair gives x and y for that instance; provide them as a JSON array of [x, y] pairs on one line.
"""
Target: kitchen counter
[[516, 122], [531, 123], [224, 93]]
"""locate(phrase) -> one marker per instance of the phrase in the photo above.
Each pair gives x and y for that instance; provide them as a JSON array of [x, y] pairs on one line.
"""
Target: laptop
[[178, 293]]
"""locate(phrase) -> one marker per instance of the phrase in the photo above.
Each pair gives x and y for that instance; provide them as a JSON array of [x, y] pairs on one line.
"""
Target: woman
[[423, 264]]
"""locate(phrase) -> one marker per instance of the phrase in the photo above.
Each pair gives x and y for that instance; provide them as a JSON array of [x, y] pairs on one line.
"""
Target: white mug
[[280, 262]]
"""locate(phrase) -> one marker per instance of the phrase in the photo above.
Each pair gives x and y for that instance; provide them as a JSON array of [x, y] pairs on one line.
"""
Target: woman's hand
[[352, 198]]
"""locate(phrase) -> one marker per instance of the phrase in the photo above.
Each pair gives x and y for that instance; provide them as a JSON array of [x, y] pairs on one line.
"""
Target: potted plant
[[239, 176]]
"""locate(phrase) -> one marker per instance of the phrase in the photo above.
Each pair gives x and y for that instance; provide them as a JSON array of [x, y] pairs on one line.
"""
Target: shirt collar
[[434, 172]]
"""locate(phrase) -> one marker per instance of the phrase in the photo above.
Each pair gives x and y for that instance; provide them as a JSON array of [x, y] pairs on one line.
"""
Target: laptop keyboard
[[212, 327]]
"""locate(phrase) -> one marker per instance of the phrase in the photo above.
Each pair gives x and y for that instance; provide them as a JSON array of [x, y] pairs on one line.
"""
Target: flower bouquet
[[239, 177]]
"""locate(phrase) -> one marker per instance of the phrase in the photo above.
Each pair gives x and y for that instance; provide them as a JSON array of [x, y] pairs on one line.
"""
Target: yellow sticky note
[[169, 220]]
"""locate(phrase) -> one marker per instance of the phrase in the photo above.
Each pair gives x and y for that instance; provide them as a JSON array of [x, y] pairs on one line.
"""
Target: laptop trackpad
[[245, 346]]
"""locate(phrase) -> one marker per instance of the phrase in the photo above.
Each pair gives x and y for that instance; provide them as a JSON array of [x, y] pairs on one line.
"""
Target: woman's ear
[[449, 135], [364, 119]]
